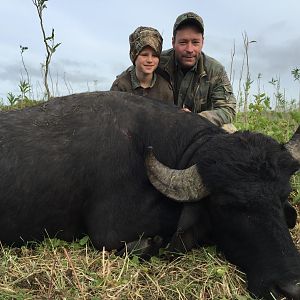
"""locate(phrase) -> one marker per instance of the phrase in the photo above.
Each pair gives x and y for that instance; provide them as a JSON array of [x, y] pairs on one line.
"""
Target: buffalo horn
[[293, 145], [180, 185]]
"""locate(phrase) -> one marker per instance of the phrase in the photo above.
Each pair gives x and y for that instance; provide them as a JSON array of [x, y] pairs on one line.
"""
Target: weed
[[296, 74], [12, 99], [49, 42]]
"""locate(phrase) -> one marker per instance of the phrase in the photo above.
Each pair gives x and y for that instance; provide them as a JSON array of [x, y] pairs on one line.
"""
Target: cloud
[[278, 57], [95, 46]]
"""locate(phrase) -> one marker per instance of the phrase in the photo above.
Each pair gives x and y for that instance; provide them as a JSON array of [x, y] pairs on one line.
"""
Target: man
[[200, 83]]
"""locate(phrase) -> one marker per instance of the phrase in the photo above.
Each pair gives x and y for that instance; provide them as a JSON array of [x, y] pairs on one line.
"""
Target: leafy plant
[[25, 88], [261, 103], [12, 99], [49, 42], [296, 74], [22, 50], [280, 101]]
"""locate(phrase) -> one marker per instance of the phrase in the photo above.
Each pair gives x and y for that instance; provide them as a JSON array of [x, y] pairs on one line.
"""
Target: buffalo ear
[[290, 214], [293, 145]]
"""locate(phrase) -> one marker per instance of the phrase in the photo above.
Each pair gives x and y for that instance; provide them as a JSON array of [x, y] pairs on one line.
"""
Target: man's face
[[188, 44]]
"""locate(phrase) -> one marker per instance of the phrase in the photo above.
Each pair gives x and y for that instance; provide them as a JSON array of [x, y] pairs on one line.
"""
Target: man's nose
[[189, 47]]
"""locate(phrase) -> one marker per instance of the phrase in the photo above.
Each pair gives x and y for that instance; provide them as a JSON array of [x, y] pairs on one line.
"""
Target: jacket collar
[[168, 63], [135, 83]]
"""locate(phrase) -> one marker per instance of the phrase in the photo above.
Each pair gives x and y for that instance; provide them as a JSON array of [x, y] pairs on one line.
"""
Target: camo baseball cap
[[142, 37], [188, 17]]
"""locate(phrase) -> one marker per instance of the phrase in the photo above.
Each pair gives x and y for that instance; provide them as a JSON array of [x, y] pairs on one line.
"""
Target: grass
[[19, 105], [55, 269], [72, 272], [58, 270]]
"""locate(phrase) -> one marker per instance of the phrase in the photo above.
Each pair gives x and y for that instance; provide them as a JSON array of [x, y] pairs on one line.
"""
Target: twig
[[74, 272]]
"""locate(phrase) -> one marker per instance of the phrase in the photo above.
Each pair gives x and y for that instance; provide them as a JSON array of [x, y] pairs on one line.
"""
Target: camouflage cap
[[189, 18], [142, 37]]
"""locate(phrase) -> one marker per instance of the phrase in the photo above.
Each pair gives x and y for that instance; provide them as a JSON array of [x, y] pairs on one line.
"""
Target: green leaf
[[84, 240]]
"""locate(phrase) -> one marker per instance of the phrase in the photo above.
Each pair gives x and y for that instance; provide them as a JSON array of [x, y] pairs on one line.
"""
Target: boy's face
[[147, 61]]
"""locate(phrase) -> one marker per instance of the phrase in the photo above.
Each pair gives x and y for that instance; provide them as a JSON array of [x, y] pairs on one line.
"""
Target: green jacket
[[206, 89], [160, 88]]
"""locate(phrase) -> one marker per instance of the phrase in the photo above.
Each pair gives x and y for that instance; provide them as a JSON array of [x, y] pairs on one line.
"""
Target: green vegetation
[[51, 46], [49, 42]]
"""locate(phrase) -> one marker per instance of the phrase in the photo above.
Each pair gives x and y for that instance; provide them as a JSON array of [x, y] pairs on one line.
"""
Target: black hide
[[75, 166]]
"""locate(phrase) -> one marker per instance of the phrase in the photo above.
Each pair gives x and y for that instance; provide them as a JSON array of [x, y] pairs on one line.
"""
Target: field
[[55, 269]]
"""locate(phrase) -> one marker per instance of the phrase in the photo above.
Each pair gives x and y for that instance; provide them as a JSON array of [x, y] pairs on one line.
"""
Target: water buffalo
[[119, 167]]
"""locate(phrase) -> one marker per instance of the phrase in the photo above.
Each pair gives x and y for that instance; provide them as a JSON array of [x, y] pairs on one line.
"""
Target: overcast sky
[[94, 37]]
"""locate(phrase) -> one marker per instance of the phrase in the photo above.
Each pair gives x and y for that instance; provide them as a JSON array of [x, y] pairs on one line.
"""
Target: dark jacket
[[209, 91]]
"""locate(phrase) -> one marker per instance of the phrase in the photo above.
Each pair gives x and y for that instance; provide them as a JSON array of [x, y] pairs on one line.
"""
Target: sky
[[94, 41]]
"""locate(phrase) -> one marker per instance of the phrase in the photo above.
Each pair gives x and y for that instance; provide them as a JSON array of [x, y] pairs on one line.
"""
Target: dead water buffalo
[[81, 164]]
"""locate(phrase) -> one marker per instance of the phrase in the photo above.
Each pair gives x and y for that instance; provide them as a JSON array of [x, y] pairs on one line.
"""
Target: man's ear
[[173, 41]]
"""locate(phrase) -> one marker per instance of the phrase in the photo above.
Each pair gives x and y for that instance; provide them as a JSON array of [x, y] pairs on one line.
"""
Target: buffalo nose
[[290, 290]]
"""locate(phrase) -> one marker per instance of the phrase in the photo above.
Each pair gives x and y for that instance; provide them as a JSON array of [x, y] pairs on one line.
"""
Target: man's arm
[[222, 100]]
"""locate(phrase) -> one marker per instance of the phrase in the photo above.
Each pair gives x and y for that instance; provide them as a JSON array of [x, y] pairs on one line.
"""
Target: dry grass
[[55, 269], [73, 272]]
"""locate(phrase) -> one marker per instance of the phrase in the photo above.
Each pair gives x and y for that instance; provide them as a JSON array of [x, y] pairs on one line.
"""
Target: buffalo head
[[243, 180]]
